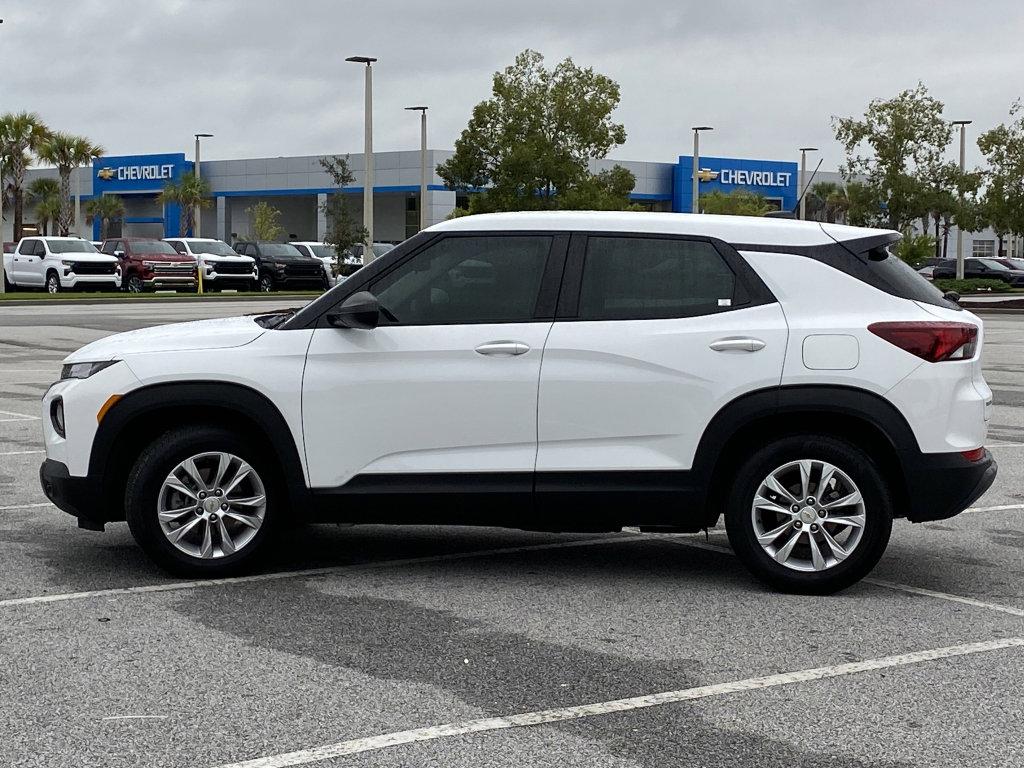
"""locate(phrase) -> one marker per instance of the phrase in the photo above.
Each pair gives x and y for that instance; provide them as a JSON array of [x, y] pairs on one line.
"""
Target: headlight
[[67, 263], [84, 370], [149, 264]]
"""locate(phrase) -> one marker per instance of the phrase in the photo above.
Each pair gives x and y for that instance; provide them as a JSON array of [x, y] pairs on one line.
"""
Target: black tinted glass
[[645, 278], [466, 280]]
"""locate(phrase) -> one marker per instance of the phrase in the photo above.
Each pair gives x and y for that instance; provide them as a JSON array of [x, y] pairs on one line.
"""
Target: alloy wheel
[[808, 515], [53, 284], [211, 505]]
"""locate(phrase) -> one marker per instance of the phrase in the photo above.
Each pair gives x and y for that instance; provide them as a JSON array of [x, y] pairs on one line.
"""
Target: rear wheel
[[809, 514], [8, 285], [201, 501]]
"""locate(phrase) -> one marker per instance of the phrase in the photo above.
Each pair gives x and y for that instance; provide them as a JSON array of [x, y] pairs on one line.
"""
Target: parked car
[[354, 253], [693, 366], [60, 264], [222, 267], [981, 268], [927, 267], [325, 253], [281, 265], [149, 264]]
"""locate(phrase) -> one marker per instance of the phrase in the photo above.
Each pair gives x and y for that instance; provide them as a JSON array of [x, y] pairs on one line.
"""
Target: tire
[[266, 284], [9, 287], [52, 282], [806, 518], [134, 284], [148, 493]]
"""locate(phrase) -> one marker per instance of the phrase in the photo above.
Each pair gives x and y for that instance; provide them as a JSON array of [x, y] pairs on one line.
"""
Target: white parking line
[[948, 596], [1005, 445], [308, 573], [19, 453], [465, 727], [997, 508], [26, 506], [23, 416]]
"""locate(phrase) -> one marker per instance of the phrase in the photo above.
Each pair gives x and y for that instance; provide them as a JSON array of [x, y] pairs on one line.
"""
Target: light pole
[[3, 277], [803, 180], [367, 155], [197, 230], [696, 164], [959, 230], [423, 164]]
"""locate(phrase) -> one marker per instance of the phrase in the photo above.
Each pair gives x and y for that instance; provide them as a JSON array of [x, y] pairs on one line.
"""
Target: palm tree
[[108, 208], [21, 135], [188, 193], [44, 195], [67, 152]]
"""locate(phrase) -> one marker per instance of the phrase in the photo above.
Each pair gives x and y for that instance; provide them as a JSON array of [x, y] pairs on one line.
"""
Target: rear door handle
[[744, 344], [503, 348]]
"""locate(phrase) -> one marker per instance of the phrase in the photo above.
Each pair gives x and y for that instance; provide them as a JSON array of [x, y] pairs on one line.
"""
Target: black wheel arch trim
[[238, 399]]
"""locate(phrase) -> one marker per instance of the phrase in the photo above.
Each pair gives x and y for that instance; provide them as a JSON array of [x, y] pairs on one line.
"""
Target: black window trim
[[547, 295], [746, 278]]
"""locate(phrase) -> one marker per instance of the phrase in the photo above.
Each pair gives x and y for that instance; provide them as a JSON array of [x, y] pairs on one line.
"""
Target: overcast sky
[[269, 78]]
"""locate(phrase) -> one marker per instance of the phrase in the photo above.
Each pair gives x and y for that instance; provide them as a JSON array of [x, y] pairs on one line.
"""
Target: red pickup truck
[[148, 264]]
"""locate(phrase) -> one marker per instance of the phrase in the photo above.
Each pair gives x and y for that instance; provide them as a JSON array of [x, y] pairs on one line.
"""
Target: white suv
[[60, 264], [549, 371], [222, 267]]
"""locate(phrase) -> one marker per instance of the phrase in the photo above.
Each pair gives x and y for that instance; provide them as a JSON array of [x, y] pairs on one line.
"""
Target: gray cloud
[[269, 78]]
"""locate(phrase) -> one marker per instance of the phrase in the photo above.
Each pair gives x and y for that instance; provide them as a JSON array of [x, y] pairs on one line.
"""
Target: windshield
[[71, 246], [993, 264], [379, 249], [322, 251], [212, 248], [1016, 263], [280, 249], [153, 246]]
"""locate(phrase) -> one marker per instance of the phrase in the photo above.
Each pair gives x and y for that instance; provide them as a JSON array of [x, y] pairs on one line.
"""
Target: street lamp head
[[961, 122], [808, 149], [367, 60], [702, 128], [417, 109], [204, 135]]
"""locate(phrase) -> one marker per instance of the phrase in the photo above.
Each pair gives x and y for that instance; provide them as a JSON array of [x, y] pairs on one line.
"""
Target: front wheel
[[202, 502], [266, 283], [809, 514], [52, 283], [134, 284]]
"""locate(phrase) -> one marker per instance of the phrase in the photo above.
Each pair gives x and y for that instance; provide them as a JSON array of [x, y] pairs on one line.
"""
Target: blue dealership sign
[[137, 173], [774, 179]]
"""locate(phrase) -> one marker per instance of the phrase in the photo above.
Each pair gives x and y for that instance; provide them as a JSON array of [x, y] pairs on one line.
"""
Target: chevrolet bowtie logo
[[108, 173], [706, 174]]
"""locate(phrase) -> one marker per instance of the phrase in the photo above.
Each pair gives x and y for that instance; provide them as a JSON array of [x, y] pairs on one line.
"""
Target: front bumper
[[78, 496], [941, 485], [74, 280], [170, 281]]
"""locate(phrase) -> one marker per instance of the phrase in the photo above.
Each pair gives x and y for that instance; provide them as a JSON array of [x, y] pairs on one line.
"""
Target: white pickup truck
[[60, 264]]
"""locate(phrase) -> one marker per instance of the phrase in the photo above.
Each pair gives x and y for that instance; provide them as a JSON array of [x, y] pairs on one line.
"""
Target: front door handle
[[503, 348], [744, 344]]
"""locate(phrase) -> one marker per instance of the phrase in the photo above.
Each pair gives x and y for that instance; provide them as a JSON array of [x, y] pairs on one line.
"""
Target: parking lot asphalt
[[375, 646]]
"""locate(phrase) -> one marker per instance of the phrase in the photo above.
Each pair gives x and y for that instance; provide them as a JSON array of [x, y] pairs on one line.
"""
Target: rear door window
[[638, 278]]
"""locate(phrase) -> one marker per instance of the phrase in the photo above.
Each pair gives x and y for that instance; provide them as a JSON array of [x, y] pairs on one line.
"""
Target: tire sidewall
[[877, 509], [152, 468], [52, 283]]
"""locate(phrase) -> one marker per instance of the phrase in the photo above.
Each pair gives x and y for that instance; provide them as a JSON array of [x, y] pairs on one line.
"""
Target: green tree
[[21, 136], [44, 196], [191, 191], [739, 202], [827, 201], [531, 143], [1002, 203], [892, 151], [107, 208], [914, 249], [266, 221], [342, 228], [67, 152]]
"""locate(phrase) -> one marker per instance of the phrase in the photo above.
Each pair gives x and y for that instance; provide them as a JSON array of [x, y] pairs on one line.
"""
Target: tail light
[[976, 455], [931, 341]]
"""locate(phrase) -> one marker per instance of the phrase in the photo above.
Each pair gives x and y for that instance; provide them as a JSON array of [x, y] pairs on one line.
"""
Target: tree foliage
[[107, 208], [44, 196], [21, 136], [893, 152], [739, 202], [1002, 204], [531, 143], [67, 152], [266, 221], [343, 230], [191, 191]]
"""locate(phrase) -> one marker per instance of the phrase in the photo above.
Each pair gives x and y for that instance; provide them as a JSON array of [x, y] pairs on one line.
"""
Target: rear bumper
[[78, 496], [941, 485]]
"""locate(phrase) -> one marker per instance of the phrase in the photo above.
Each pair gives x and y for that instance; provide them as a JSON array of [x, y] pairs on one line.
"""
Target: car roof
[[51, 237], [732, 229], [195, 239], [306, 242]]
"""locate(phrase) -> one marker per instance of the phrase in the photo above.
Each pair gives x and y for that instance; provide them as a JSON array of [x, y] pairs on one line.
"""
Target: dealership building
[[298, 186]]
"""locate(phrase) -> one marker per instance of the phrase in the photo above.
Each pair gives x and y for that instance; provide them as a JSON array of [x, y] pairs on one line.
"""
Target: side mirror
[[360, 310], [952, 296], [119, 254]]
